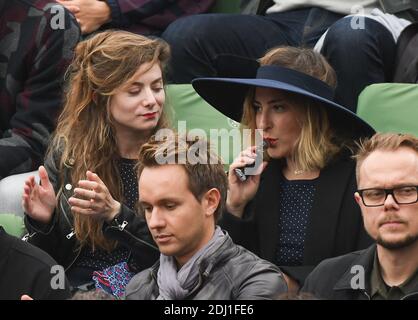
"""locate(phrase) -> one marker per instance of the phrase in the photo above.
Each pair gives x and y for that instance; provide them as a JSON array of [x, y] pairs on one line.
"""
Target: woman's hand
[[241, 192], [93, 198], [39, 201]]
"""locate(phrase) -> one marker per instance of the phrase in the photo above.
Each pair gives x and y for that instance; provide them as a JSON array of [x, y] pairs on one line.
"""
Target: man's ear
[[211, 201], [357, 198]]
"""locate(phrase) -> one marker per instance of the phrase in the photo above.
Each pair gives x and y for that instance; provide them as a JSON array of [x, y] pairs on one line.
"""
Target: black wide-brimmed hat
[[228, 94]]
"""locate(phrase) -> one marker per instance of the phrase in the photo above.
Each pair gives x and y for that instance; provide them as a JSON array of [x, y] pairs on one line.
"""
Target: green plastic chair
[[190, 112], [390, 107], [226, 6], [12, 224]]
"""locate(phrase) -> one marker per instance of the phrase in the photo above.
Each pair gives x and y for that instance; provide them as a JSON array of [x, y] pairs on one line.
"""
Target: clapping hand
[[92, 197], [39, 200]]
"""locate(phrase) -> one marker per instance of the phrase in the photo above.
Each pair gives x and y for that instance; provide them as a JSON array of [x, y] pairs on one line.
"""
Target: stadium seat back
[[192, 113], [226, 6], [12, 224], [390, 107]]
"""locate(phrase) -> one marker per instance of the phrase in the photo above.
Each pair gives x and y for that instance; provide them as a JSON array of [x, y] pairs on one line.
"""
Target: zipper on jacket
[[27, 236], [122, 229], [122, 226], [70, 235], [63, 210]]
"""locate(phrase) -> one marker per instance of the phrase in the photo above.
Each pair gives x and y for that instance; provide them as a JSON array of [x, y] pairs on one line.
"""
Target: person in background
[[37, 44], [300, 210], [27, 271], [361, 49], [387, 177], [88, 190], [149, 17], [182, 202]]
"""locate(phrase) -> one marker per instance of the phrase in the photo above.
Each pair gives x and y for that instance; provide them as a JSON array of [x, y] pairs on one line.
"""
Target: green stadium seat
[[198, 118], [12, 224], [226, 6], [390, 107]]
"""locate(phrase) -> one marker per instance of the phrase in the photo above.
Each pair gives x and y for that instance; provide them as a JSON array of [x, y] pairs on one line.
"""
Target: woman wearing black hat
[[301, 209]]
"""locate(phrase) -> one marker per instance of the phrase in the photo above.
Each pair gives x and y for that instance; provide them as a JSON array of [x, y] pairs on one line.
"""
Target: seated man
[[362, 51], [37, 39], [149, 17], [387, 176], [182, 203], [27, 270]]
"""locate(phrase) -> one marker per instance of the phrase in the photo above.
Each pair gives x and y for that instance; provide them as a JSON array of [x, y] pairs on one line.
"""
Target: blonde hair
[[204, 174], [85, 134], [383, 141], [318, 143]]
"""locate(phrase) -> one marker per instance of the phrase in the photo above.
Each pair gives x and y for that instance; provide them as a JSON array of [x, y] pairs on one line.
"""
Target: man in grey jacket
[[182, 203]]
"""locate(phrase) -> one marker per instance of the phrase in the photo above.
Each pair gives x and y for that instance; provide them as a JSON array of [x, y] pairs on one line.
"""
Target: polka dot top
[[295, 204], [129, 182], [100, 259]]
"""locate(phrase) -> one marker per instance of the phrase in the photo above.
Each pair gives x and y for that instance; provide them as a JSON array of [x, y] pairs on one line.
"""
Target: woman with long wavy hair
[[88, 191]]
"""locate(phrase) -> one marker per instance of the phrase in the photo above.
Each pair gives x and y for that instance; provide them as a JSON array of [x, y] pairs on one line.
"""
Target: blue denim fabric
[[360, 57]]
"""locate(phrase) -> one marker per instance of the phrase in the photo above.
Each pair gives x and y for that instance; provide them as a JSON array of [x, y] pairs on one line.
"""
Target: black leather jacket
[[58, 238], [228, 272]]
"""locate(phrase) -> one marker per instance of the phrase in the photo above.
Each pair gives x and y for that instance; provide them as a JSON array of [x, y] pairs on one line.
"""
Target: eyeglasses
[[375, 197]]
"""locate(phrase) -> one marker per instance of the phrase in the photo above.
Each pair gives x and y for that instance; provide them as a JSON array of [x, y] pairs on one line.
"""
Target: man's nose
[[156, 219], [390, 202]]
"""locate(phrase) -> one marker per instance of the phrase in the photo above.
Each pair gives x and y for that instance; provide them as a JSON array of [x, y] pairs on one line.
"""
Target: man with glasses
[[387, 177]]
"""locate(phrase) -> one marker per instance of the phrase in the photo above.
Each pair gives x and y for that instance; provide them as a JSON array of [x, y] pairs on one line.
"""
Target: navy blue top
[[129, 182], [295, 205]]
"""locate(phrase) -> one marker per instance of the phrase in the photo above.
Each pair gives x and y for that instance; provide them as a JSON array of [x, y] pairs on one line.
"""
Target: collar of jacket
[[217, 254], [365, 259]]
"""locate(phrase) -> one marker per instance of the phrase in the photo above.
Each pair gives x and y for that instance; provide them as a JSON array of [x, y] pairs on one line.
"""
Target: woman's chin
[[274, 154], [148, 126]]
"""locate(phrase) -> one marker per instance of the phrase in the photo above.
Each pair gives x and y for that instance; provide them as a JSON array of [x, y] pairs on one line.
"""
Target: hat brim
[[227, 95]]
